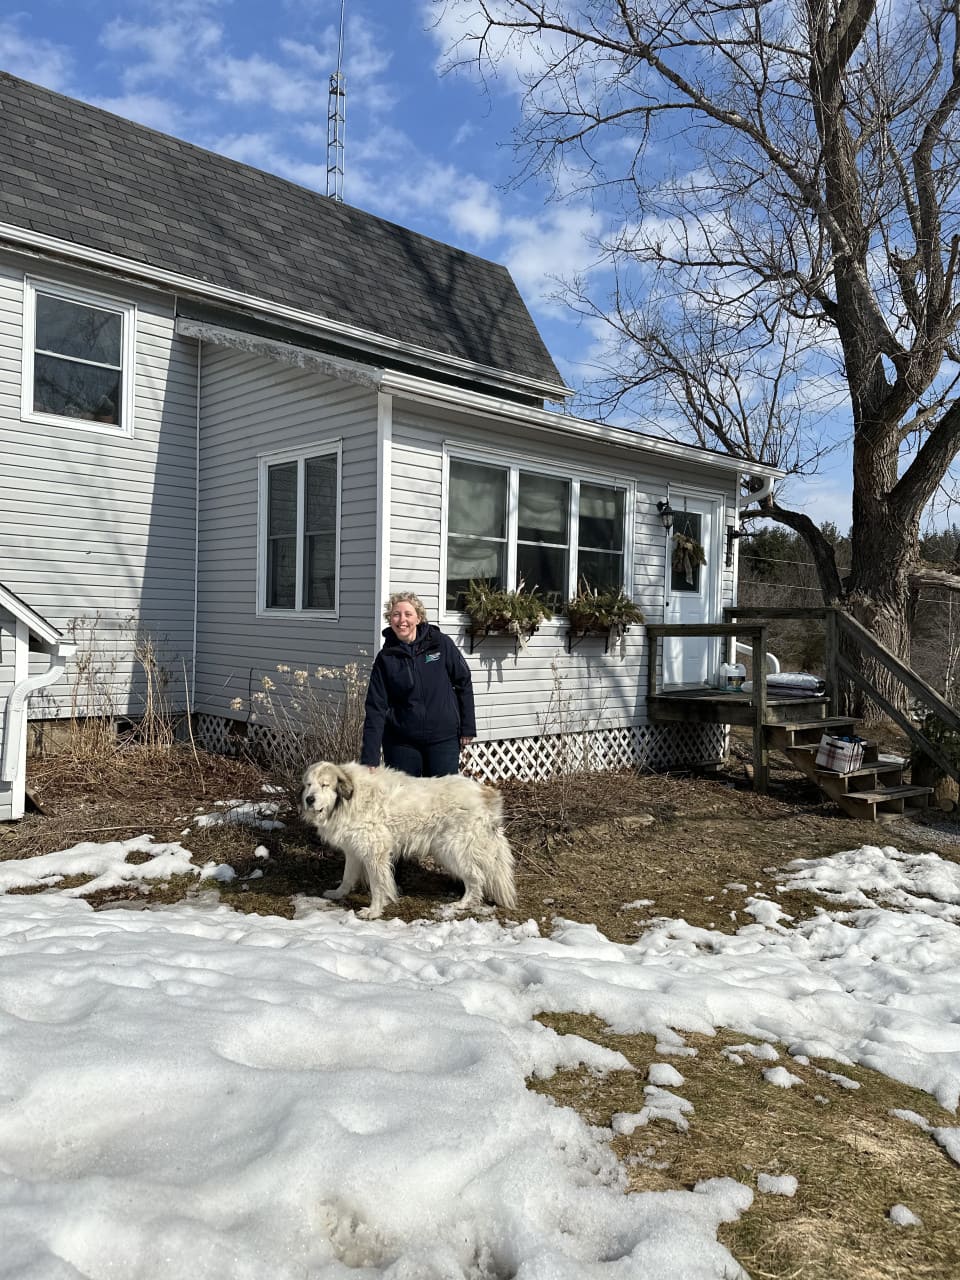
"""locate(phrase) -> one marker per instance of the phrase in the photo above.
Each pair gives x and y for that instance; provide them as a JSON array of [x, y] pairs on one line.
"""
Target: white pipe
[[773, 664], [15, 725], [765, 490]]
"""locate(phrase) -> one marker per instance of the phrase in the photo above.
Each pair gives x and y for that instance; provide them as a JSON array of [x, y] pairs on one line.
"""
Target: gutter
[[410, 387], [15, 725], [423, 390]]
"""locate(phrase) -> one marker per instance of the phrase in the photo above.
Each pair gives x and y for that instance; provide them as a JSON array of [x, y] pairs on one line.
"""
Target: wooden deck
[[698, 704]]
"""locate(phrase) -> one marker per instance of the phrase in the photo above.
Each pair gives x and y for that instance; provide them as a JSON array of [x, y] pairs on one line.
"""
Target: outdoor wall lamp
[[733, 533], [666, 514]]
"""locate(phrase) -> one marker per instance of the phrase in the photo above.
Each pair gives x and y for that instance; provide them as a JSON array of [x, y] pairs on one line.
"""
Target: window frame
[[513, 464], [34, 285], [299, 455]]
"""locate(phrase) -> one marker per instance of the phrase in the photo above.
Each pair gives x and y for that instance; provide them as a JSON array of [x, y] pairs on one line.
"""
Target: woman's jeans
[[426, 760]]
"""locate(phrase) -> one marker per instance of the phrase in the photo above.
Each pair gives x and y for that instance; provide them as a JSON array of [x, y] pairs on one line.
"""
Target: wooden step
[[795, 733], [867, 778], [885, 803]]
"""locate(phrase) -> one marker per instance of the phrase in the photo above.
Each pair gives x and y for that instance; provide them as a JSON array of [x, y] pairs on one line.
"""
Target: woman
[[419, 705]]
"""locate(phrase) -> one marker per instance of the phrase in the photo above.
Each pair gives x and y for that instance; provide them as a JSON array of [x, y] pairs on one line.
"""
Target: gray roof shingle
[[78, 173]]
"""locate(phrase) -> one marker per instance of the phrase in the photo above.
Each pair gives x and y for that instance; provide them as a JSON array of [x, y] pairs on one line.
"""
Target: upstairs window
[[300, 519], [78, 358]]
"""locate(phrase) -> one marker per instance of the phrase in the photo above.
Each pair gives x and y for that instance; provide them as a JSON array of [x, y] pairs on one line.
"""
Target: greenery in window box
[[603, 612], [687, 555], [516, 613]]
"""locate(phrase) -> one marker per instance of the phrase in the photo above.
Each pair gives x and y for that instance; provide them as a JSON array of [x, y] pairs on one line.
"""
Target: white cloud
[[34, 58], [145, 108], [263, 151], [257, 80], [822, 497], [165, 48], [556, 243]]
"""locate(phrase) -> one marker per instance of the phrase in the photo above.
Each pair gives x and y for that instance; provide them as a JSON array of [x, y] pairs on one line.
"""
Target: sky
[[423, 147], [190, 1090]]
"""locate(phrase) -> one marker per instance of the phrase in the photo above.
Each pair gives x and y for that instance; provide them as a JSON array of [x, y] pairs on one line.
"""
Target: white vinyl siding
[[8, 677], [97, 527], [249, 404], [538, 690]]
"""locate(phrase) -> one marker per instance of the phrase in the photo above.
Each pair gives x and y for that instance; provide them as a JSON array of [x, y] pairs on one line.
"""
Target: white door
[[692, 590]]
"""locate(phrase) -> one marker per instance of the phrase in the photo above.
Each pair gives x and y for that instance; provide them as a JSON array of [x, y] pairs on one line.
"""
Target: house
[[235, 414]]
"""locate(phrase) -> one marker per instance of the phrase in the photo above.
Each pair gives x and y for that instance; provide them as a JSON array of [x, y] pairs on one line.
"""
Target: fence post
[[761, 754], [653, 644], [831, 649]]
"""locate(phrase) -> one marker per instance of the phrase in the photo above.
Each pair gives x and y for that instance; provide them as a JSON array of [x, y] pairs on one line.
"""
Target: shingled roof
[[93, 179]]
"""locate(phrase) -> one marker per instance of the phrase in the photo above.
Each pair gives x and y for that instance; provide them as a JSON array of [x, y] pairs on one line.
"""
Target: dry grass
[[852, 1160], [585, 847]]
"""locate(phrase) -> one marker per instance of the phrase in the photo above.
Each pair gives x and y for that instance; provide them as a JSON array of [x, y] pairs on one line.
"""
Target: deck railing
[[843, 636]]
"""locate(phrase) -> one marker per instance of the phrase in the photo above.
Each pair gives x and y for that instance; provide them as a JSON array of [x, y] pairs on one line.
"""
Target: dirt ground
[[586, 846]]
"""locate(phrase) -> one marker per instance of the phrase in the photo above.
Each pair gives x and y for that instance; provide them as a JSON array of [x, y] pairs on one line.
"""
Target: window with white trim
[[300, 521], [78, 357], [514, 527]]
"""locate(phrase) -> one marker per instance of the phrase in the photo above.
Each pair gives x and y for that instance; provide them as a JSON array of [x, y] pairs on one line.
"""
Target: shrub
[[302, 716]]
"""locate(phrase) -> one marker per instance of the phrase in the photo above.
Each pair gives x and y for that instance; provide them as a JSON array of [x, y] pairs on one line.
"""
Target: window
[[78, 358], [511, 526], [300, 519], [687, 578]]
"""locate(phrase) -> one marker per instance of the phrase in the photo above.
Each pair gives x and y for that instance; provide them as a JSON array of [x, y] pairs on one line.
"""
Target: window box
[[496, 612], [601, 613]]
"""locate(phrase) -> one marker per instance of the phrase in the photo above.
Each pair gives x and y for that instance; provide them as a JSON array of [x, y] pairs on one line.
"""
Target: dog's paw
[[368, 913], [334, 894]]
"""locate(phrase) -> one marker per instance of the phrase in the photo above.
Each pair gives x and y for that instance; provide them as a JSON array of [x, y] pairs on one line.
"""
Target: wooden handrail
[[837, 623], [922, 691]]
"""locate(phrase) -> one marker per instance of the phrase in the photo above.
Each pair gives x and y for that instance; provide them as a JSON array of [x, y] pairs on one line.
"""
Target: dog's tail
[[500, 886]]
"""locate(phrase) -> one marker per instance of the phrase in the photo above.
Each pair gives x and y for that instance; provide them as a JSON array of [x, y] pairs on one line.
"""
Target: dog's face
[[325, 786]]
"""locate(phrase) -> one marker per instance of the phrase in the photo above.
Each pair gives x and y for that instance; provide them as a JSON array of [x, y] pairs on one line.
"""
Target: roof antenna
[[336, 123]]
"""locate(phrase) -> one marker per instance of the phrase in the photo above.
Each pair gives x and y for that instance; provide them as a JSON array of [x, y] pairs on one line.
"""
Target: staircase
[[879, 790], [876, 792]]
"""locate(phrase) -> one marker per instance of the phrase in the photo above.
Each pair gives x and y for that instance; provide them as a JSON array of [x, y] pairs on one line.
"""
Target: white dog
[[374, 816]]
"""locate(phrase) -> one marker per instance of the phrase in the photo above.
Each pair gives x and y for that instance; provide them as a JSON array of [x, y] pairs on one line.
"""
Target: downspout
[[196, 537], [15, 725]]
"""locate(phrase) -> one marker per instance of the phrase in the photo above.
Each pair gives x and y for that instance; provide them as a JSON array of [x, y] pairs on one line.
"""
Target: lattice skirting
[[655, 748]]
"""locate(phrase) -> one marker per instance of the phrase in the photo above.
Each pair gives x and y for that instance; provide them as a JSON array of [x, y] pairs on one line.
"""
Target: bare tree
[[788, 171]]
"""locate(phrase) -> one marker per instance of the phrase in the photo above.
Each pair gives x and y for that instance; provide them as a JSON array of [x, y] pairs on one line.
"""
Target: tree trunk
[[878, 596]]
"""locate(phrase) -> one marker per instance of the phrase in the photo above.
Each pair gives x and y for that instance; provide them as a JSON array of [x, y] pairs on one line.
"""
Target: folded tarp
[[791, 684]]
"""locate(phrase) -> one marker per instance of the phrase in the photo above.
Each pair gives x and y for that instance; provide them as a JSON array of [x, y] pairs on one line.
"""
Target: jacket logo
[[432, 657]]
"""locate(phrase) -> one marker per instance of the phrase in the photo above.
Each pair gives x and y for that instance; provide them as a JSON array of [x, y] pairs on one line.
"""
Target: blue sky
[[426, 149]]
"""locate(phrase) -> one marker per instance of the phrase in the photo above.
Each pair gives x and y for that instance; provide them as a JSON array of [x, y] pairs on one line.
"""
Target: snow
[[781, 1077], [192, 1090], [259, 813], [664, 1074], [903, 1217], [772, 1185]]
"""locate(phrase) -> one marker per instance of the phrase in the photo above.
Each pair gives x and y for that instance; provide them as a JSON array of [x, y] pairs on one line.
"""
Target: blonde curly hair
[[410, 598]]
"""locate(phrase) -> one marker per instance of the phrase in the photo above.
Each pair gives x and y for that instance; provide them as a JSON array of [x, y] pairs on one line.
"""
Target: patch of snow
[[783, 1185], [781, 1077], [903, 1217]]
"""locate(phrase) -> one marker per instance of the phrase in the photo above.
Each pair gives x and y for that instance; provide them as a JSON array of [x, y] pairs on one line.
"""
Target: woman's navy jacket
[[418, 693]]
